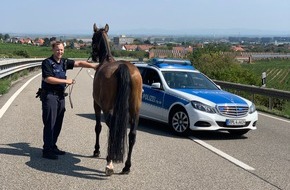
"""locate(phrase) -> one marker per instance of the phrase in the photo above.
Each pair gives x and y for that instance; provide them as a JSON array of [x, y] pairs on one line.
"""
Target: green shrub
[[22, 53], [4, 85]]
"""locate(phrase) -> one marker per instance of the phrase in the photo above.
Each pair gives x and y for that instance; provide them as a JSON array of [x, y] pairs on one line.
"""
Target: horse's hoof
[[96, 154], [125, 171], [109, 171]]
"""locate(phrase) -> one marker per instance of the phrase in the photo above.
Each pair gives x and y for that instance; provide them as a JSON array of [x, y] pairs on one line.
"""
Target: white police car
[[181, 96]]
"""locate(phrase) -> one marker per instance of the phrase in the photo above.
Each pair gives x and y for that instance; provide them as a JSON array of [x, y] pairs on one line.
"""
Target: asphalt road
[[204, 160]]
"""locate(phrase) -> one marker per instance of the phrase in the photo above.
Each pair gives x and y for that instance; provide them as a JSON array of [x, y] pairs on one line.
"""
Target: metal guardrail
[[256, 90], [270, 93], [10, 66]]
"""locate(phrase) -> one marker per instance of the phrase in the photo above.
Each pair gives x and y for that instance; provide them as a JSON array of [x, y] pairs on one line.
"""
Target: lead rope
[[70, 86]]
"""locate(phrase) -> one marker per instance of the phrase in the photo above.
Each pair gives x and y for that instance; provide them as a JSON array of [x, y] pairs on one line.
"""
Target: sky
[[168, 17]]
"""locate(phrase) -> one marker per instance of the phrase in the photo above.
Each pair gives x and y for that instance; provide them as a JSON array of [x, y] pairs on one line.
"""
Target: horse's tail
[[118, 129]]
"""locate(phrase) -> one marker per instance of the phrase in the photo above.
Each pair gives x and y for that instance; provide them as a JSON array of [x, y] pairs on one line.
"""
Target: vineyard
[[277, 70]]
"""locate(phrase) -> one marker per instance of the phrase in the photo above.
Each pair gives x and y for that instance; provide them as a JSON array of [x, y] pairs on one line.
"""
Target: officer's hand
[[96, 66], [70, 81]]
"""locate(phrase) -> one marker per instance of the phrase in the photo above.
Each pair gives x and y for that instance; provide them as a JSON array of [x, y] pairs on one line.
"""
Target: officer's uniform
[[53, 102]]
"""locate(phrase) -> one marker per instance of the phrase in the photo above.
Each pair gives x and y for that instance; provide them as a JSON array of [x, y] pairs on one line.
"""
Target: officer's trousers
[[53, 108]]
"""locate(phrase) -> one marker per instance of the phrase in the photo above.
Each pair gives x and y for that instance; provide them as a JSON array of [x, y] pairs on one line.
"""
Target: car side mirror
[[156, 85]]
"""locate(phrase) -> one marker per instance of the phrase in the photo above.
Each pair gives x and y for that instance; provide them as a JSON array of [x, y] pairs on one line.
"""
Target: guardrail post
[[253, 98], [270, 103]]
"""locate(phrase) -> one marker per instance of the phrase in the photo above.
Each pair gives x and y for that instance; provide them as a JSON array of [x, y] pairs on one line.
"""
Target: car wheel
[[238, 132], [179, 121]]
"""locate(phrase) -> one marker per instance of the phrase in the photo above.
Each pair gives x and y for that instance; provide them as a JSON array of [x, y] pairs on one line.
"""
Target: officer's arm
[[54, 80], [85, 64]]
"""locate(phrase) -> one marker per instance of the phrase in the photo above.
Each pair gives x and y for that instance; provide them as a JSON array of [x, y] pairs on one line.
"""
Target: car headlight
[[252, 108], [203, 107]]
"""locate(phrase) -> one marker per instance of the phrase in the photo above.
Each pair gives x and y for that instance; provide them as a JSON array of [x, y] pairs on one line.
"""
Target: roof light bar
[[171, 61]]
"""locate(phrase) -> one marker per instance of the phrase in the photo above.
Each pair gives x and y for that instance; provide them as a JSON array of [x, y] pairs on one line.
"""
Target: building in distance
[[122, 40]]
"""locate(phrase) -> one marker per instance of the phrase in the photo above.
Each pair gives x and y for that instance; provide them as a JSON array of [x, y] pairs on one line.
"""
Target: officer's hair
[[56, 43]]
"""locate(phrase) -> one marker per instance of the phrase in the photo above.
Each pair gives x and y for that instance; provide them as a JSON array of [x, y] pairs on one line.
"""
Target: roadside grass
[[285, 113], [7, 82], [4, 86]]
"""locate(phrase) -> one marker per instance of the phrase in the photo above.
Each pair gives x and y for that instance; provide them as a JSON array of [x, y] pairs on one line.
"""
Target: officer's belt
[[55, 92]]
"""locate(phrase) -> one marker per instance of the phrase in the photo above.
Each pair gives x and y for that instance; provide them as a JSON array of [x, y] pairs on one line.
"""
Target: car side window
[[150, 77], [141, 70], [169, 78]]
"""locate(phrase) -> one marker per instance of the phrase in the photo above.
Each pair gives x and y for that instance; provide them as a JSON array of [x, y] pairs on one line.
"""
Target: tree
[[72, 44], [6, 36], [137, 41], [46, 42], [52, 39], [212, 62], [147, 42]]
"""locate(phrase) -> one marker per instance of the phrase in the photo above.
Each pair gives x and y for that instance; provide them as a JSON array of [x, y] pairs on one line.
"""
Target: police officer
[[53, 85]]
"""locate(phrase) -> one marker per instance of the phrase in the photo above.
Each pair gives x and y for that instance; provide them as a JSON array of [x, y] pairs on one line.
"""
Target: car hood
[[215, 96]]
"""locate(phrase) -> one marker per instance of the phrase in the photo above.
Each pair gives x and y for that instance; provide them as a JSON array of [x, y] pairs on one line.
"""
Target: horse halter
[[97, 40]]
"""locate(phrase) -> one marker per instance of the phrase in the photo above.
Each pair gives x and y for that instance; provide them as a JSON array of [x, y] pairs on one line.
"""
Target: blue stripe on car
[[216, 96], [155, 100], [170, 99]]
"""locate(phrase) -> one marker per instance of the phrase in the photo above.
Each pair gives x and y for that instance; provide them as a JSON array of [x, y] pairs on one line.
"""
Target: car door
[[152, 98]]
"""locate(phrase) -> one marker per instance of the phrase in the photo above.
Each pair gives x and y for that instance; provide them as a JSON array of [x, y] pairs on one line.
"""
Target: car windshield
[[191, 80]]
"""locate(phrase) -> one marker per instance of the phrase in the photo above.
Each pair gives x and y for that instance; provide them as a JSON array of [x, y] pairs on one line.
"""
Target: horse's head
[[100, 45]]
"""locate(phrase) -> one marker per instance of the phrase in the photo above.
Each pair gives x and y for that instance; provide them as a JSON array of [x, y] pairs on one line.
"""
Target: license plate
[[235, 122]]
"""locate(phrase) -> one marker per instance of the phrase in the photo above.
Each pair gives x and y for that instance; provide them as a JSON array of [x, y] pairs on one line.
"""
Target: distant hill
[[164, 32]]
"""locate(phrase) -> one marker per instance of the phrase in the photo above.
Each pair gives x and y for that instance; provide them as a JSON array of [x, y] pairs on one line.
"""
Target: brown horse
[[117, 91]]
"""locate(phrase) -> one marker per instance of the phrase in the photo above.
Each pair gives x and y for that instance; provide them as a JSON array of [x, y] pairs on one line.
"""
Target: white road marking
[[273, 117], [91, 75], [222, 154], [12, 98]]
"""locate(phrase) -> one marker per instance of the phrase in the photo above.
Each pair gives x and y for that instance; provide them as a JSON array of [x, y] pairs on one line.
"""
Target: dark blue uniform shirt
[[50, 68]]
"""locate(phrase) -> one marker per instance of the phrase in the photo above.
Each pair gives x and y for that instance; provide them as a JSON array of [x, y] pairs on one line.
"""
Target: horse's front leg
[[98, 129]]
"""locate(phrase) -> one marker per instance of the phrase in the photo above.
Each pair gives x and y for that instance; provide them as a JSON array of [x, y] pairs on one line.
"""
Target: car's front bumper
[[200, 120]]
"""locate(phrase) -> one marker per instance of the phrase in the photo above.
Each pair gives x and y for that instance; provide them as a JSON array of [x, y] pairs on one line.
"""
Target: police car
[[174, 92]]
